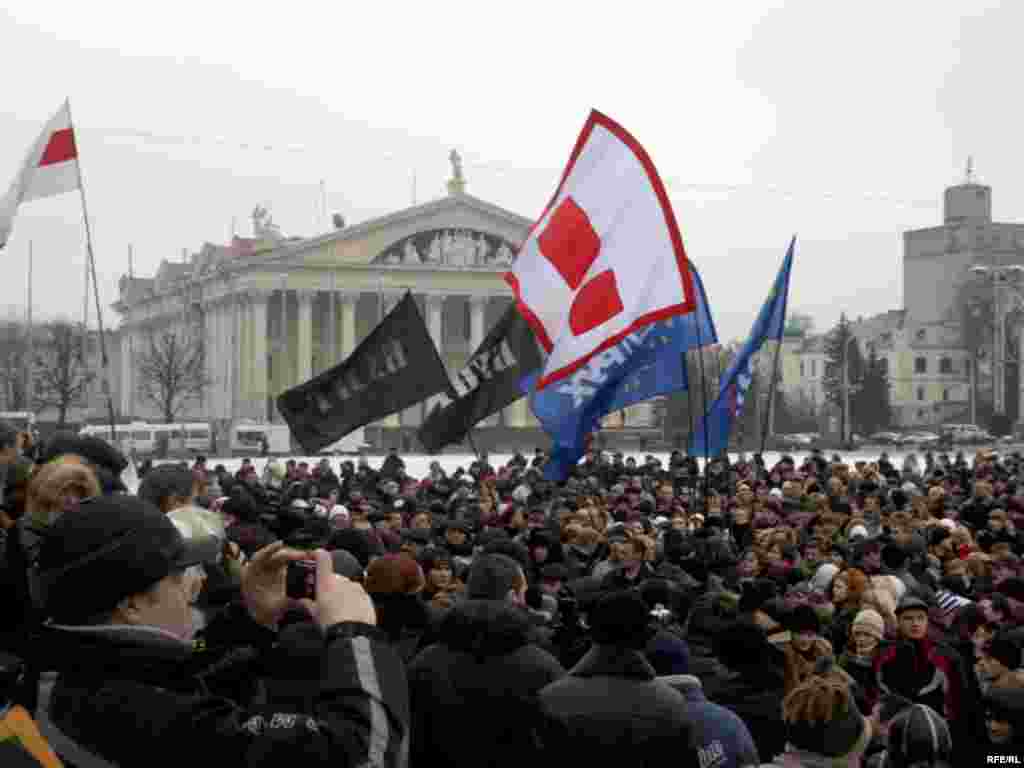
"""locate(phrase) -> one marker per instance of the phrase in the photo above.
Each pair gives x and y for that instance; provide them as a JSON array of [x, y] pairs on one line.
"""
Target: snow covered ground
[[417, 465]]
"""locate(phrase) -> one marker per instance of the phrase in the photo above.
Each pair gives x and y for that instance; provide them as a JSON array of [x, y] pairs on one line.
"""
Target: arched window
[[946, 365], [920, 365]]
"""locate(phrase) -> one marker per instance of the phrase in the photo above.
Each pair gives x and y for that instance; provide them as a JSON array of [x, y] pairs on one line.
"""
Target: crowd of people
[[815, 612]]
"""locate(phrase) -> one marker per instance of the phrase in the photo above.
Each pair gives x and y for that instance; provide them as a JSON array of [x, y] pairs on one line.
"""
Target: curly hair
[[57, 487]]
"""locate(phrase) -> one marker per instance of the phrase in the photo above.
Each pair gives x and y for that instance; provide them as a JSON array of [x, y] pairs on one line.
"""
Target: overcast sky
[[840, 122]]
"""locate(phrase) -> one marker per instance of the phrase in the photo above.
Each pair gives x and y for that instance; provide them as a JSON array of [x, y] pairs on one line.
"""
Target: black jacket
[[612, 710], [473, 694], [135, 696]]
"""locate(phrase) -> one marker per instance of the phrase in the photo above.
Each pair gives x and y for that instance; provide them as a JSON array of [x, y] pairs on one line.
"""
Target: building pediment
[[458, 230]]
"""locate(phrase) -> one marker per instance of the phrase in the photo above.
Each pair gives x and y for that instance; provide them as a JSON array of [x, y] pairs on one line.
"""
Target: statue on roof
[[457, 183], [263, 226]]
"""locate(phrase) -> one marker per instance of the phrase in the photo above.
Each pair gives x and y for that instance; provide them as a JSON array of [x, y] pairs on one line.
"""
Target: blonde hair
[[55, 486], [820, 699]]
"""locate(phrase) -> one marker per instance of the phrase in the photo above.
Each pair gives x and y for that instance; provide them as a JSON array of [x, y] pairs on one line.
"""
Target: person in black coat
[[474, 692], [750, 681], [133, 687], [612, 709]]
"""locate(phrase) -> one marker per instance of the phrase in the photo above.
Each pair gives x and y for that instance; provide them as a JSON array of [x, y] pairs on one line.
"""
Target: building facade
[[273, 312]]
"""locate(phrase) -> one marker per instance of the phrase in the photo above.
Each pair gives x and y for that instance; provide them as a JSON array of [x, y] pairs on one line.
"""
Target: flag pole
[[771, 395], [30, 341], [770, 410], [91, 266], [704, 405]]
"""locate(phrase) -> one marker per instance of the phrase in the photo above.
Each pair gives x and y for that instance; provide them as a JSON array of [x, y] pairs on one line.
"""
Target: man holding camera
[[134, 688]]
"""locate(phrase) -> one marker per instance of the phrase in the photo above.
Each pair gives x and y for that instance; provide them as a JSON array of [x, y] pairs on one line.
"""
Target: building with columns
[[272, 312]]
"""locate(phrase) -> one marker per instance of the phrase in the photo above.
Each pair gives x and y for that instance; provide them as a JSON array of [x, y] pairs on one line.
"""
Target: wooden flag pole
[[104, 359]]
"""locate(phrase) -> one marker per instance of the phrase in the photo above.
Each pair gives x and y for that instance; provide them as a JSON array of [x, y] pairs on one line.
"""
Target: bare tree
[[171, 372], [13, 360], [62, 377]]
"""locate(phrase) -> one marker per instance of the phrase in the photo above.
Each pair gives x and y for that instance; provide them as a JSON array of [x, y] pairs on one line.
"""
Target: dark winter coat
[[612, 710], [923, 672], [473, 693], [136, 696]]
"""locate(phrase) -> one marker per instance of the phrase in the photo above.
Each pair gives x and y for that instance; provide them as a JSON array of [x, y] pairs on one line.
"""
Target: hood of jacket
[[485, 628]]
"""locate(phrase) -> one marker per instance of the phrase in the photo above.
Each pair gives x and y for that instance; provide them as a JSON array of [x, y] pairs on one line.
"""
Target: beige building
[[927, 363], [272, 312]]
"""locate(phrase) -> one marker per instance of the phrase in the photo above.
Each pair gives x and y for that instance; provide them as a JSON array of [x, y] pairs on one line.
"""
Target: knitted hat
[[918, 736], [492, 576], [394, 574], [1004, 650], [621, 619], [870, 622], [804, 618]]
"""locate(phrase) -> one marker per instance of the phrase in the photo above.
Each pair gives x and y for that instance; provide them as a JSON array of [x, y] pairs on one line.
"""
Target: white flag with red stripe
[[50, 168], [605, 258]]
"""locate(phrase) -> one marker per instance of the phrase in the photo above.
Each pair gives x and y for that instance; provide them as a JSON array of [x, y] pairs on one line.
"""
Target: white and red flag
[[50, 168], [605, 258]]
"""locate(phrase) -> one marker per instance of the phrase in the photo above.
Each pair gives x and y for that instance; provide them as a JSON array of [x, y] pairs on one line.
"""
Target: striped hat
[[918, 736]]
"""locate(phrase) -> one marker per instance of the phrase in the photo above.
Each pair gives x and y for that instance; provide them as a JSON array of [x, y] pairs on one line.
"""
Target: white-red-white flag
[[605, 258], [50, 168]]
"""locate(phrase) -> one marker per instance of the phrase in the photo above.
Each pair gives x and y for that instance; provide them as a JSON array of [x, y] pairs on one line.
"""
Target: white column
[[259, 353], [304, 368], [284, 353], [477, 320], [329, 341], [477, 331], [390, 300], [218, 358], [348, 323], [434, 303], [233, 309]]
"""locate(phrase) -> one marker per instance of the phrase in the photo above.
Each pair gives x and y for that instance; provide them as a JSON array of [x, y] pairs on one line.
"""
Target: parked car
[[885, 438]]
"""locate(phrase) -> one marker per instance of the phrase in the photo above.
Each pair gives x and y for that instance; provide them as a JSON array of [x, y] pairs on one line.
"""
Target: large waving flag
[[605, 259], [711, 436], [649, 362], [50, 168]]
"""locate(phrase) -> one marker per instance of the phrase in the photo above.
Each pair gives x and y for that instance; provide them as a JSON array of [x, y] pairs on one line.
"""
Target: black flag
[[396, 366], [489, 382]]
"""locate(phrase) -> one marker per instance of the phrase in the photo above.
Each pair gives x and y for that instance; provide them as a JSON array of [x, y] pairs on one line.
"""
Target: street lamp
[[1001, 277]]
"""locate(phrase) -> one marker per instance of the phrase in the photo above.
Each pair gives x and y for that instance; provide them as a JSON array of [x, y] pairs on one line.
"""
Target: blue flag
[[711, 437], [649, 362]]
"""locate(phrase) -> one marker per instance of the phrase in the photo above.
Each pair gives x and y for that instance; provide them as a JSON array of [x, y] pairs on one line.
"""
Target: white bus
[[143, 438], [23, 421], [247, 438]]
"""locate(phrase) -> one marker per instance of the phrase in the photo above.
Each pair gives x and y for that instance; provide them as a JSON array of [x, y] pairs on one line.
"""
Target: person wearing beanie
[[612, 709], [133, 687], [823, 726], [918, 737], [858, 653], [474, 689], [805, 647], [748, 678], [920, 669]]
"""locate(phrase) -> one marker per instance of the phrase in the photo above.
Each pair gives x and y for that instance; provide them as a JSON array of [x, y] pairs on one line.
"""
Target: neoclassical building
[[273, 312]]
